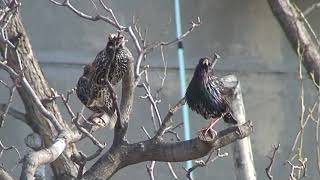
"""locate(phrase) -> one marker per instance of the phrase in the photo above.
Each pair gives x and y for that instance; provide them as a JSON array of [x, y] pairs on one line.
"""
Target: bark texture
[[157, 150], [4, 175], [63, 167], [298, 35], [242, 151]]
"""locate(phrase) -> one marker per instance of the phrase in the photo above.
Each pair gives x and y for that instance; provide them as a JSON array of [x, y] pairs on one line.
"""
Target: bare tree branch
[[44, 156], [311, 8], [7, 106], [98, 17], [168, 119], [126, 103], [296, 32], [302, 166], [272, 158], [4, 175], [141, 49], [202, 163], [25, 84], [152, 150], [44, 119], [4, 148], [317, 135], [14, 113]]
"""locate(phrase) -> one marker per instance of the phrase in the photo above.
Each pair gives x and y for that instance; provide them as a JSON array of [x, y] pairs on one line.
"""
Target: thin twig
[[272, 158], [25, 84], [66, 104], [305, 123], [202, 163], [5, 148], [150, 170], [302, 166], [311, 8], [7, 107], [172, 171], [302, 16], [193, 26], [167, 120], [145, 131], [86, 133], [98, 17], [317, 134]]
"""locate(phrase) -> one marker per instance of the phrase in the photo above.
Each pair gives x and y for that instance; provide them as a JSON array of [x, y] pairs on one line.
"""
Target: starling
[[207, 95], [112, 61], [103, 102], [110, 64], [101, 105], [84, 85]]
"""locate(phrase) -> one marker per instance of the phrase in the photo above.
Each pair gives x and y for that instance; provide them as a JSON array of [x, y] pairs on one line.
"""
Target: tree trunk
[[63, 167], [242, 152]]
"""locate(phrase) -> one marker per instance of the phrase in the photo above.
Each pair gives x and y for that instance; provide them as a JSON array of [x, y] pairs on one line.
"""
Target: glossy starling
[[207, 95]]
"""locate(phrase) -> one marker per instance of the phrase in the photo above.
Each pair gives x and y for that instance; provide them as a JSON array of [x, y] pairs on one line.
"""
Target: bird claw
[[208, 132]]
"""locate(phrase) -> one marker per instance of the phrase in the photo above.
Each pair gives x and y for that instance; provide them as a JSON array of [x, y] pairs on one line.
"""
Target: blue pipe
[[182, 75]]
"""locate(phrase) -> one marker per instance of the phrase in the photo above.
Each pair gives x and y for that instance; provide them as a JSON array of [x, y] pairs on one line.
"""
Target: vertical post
[[185, 112], [242, 152]]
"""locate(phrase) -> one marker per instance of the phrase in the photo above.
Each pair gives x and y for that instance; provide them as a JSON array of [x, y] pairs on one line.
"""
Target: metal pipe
[[185, 111]]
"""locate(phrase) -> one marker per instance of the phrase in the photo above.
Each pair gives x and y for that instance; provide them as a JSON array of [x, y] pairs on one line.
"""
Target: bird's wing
[[83, 89], [223, 97], [222, 94], [215, 90]]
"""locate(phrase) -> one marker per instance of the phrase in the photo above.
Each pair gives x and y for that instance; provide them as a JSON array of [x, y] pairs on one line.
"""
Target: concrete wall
[[244, 33]]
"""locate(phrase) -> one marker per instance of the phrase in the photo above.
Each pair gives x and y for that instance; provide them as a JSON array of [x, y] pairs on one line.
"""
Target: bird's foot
[[205, 132]]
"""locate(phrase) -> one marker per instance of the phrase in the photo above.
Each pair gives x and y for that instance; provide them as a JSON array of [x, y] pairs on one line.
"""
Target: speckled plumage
[[113, 58], [111, 62], [103, 102], [207, 95], [84, 85]]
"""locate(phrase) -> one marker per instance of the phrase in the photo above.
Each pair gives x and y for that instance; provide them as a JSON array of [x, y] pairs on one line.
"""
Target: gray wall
[[244, 33]]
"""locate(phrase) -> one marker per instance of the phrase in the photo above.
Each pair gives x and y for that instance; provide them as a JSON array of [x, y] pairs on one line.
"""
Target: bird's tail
[[228, 118]]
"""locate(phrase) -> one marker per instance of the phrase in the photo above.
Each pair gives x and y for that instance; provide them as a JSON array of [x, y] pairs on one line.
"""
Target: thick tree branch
[[126, 103], [44, 156], [151, 150], [24, 70], [291, 21], [4, 175], [30, 92]]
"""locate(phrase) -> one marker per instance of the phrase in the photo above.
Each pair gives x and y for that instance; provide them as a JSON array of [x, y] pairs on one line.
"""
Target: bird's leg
[[205, 131]]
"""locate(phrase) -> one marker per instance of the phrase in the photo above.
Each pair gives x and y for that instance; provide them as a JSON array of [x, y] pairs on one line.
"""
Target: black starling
[[207, 95]]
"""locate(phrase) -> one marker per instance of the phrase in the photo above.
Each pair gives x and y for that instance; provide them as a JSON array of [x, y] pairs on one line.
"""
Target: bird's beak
[[215, 59], [109, 36], [206, 62]]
